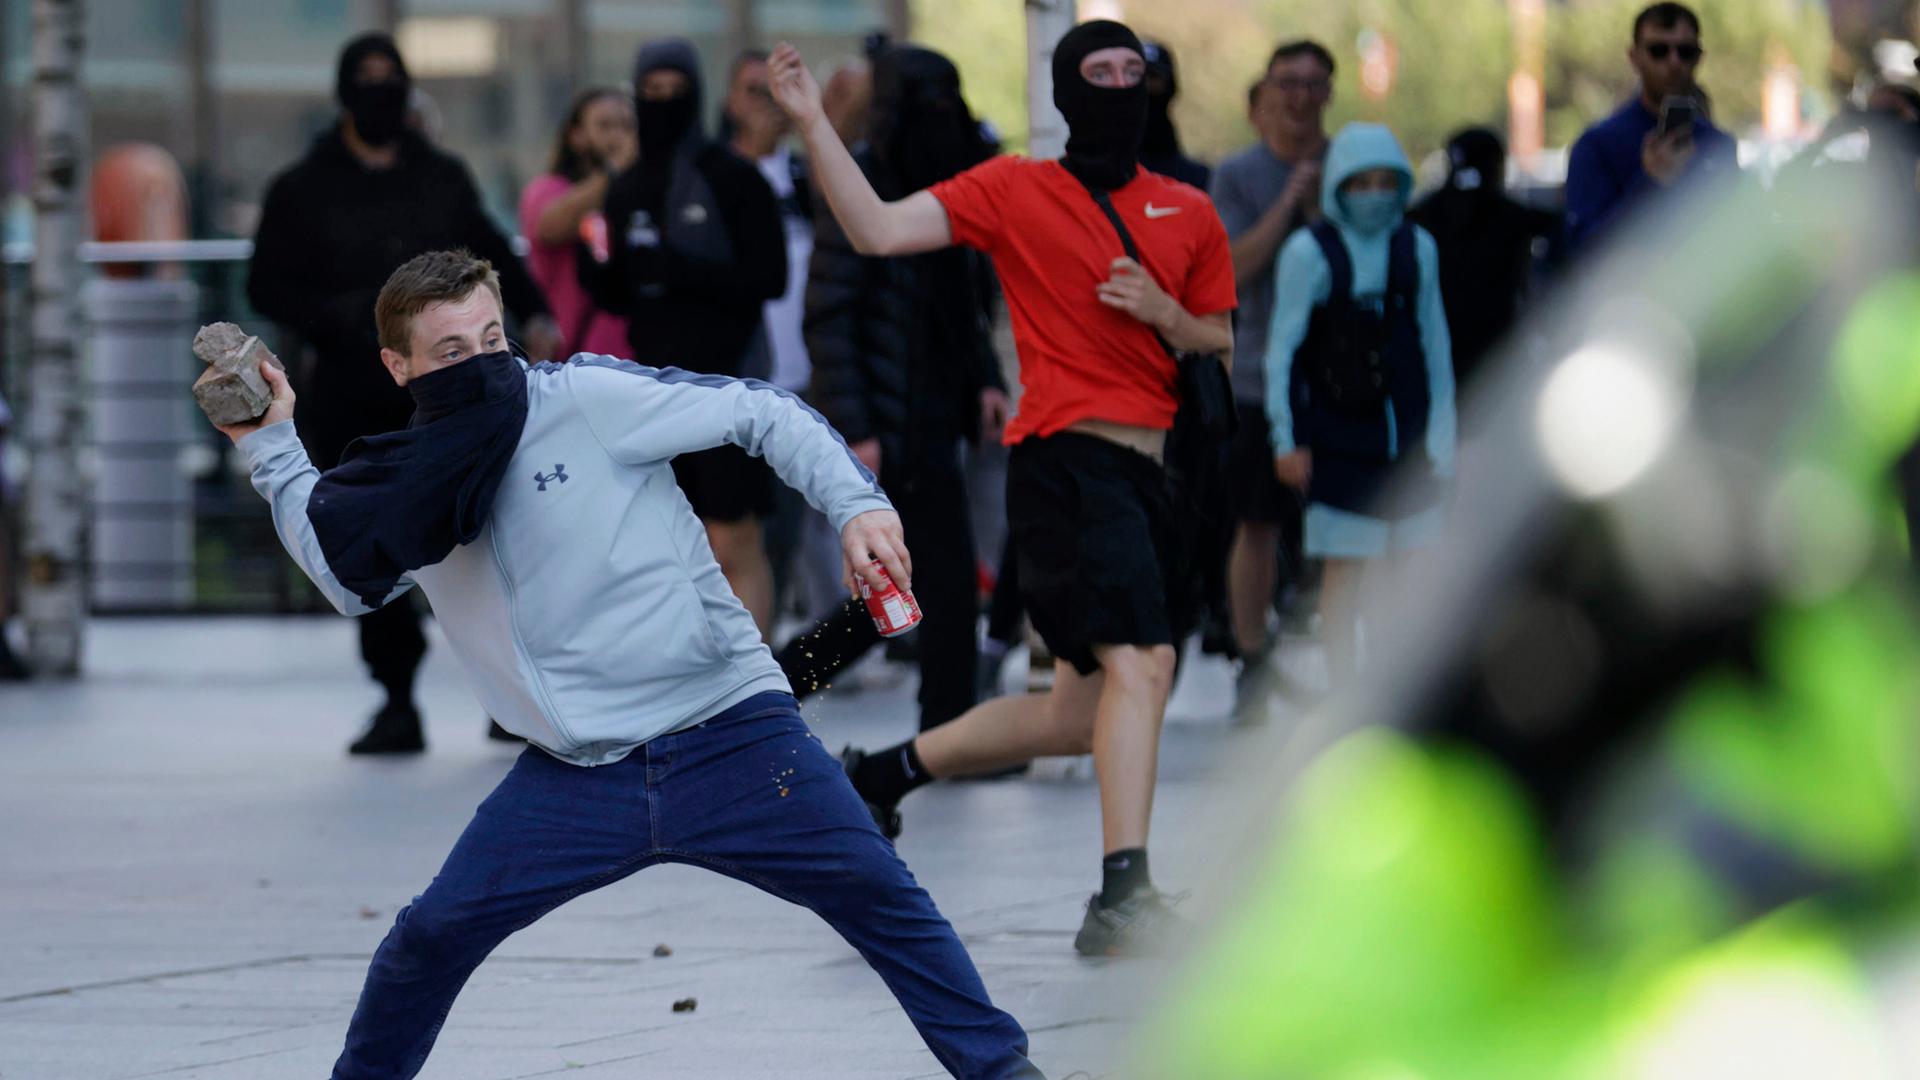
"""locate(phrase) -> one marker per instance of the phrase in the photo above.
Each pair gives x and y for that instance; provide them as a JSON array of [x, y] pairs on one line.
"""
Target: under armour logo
[[559, 473]]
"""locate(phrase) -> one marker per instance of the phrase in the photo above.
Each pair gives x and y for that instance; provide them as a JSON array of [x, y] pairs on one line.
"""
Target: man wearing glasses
[[1263, 193], [1651, 143]]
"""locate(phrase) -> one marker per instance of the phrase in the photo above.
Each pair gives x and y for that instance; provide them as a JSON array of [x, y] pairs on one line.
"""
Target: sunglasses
[[1658, 50]]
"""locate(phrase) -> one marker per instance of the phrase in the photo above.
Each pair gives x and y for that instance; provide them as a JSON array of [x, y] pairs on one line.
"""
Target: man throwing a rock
[[536, 506]]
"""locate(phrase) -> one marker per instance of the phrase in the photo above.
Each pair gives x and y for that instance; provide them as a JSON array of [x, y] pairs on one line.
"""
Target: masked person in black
[[696, 248], [368, 196], [1160, 149], [904, 369], [1098, 303], [1489, 245]]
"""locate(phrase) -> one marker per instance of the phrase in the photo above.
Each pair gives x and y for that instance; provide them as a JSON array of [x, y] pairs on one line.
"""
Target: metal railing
[[97, 252], [174, 525]]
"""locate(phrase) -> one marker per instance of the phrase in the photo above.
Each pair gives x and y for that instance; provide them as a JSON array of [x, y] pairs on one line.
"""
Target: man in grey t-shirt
[[1263, 193]]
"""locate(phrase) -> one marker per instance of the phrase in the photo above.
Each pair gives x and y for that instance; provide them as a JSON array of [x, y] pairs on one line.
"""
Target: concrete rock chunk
[[231, 390]]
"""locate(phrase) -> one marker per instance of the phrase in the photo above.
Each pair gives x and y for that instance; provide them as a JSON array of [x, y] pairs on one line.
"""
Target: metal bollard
[[141, 336]]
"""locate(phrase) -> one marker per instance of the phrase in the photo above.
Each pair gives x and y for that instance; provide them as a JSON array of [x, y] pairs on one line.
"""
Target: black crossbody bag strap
[[1105, 204], [1206, 394]]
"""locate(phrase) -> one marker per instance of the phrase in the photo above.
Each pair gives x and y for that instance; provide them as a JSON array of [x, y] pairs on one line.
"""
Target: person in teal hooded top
[[1360, 375]]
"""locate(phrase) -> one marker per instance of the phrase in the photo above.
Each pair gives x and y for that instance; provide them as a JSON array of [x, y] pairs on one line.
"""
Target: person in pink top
[[560, 216]]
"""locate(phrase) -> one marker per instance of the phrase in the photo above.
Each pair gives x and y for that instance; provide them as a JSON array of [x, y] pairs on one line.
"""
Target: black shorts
[[1091, 530], [1258, 495], [725, 484]]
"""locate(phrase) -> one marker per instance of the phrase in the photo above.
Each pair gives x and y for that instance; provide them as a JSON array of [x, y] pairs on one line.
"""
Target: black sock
[[1122, 873], [885, 776]]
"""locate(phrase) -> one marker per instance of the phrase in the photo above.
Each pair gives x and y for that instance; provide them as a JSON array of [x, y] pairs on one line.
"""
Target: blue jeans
[[750, 794]]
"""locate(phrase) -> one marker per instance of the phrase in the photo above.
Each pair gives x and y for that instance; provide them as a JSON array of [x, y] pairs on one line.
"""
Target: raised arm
[[873, 226]]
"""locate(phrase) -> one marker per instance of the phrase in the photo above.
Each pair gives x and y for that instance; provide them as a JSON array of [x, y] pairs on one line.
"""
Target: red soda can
[[893, 608]]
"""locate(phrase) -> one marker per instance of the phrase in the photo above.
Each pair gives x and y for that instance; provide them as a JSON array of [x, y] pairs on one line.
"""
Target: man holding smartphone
[[1653, 142]]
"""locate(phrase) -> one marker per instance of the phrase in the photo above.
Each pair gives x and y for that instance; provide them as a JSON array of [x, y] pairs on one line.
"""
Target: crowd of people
[[1236, 413]]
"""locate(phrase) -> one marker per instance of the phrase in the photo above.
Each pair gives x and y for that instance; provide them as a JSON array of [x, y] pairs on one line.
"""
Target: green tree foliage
[[1453, 59]]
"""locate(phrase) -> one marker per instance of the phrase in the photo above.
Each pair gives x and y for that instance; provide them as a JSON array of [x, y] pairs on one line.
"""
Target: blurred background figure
[[1490, 247], [802, 549], [368, 196], [561, 219], [1646, 146], [1264, 193], [1360, 385], [697, 249], [757, 130], [1160, 151], [906, 371], [847, 96]]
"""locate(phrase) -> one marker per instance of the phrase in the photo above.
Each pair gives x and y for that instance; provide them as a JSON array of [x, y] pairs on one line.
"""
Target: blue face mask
[[1370, 212]]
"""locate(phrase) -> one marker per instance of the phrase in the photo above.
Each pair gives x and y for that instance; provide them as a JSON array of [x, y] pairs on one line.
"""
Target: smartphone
[[1677, 113]]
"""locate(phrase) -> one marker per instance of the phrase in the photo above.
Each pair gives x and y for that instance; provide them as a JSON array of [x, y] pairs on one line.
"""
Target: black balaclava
[[1161, 141], [379, 110], [1104, 124], [1476, 162], [664, 125], [920, 128]]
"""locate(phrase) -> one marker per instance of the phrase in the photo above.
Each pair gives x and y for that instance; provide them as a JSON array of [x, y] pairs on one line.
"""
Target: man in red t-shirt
[[1086, 492]]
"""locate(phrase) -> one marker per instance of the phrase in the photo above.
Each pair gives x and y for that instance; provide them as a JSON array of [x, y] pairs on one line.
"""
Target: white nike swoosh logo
[[1161, 211]]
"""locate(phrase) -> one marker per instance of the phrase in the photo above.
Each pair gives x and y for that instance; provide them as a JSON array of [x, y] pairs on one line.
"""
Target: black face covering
[[664, 125], [921, 129], [1477, 162], [1105, 125], [404, 500], [379, 110]]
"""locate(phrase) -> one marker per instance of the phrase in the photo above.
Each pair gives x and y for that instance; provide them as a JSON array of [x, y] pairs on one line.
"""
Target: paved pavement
[[193, 875]]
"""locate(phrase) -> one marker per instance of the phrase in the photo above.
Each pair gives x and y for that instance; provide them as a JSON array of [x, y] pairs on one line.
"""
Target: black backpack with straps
[[1352, 365], [1354, 360]]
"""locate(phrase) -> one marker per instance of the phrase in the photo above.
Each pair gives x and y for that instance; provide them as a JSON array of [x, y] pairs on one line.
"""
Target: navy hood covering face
[[1105, 124], [406, 499]]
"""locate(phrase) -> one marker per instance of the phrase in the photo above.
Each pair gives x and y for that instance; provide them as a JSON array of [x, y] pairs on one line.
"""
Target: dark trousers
[[552, 831], [392, 643], [933, 512]]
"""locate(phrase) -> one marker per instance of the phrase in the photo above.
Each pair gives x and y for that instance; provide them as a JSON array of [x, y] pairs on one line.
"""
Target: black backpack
[[1348, 348]]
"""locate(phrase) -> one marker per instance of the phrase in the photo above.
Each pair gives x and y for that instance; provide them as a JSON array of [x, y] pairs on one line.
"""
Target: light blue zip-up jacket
[[1302, 281], [589, 613]]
